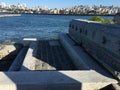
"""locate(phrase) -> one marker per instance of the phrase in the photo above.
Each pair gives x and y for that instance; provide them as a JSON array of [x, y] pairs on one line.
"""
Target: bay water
[[36, 26]]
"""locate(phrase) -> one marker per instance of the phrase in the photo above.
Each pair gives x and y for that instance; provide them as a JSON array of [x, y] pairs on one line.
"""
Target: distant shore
[[9, 15], [72, 14]]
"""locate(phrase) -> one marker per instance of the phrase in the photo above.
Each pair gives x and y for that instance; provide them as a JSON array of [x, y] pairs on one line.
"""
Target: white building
[[3, 5]]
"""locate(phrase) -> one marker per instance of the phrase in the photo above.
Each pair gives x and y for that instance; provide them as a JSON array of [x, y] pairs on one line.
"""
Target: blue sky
[[62, 3]]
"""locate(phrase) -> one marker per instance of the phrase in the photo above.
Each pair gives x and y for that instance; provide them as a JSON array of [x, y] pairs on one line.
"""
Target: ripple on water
[[38, 26]]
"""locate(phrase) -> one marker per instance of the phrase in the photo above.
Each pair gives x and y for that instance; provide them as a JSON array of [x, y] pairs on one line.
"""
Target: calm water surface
[[35, 26]]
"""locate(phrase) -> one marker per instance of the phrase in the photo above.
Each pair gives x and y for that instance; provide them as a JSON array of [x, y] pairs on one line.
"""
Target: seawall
[[101, 41], [86, 58]]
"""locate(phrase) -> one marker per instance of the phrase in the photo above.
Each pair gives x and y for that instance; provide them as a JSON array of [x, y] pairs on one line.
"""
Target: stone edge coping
[[68, 45], [16, 65], [79, 57], [107, 28], [27, 41], [30, 60]]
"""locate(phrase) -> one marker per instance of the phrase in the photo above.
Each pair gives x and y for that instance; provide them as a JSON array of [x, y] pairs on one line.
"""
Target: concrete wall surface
[[102, 41]]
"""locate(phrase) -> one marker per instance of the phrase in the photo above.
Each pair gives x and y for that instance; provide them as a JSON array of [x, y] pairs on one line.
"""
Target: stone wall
[[101, 41]]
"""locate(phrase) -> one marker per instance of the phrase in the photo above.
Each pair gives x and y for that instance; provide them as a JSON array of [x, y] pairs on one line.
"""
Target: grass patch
[[101, 20]]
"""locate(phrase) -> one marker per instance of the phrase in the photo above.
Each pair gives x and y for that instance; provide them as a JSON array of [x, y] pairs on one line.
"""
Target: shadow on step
[[8, 56], [52, 56]]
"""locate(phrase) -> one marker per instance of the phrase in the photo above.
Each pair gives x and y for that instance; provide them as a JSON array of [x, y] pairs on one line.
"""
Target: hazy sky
[[62, 3]]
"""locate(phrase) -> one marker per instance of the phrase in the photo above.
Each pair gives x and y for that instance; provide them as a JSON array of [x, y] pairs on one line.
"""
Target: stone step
[[79, 57], [112, 87], [53, 55], [16, 65], [47, 55], [30, 58], [54, 80]]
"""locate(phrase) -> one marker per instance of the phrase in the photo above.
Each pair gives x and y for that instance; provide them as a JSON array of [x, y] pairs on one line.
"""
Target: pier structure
[[86, 58]]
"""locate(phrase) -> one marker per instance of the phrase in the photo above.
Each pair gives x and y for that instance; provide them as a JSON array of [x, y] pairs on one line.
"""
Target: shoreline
[[9, 15], [12, 15], [67, 14]]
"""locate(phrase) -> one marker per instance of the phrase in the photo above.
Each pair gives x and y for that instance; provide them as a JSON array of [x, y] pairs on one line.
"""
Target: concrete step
[[112, 87], [47, 55], [79, 57], [16, 65], [30, 58], [54, 80], [53, 54]]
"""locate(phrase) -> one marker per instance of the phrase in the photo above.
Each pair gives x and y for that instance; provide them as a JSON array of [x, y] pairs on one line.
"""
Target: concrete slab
[[54, 80], [43, 56], [54, 43], [53, 56], [67, 44], [80, 58]]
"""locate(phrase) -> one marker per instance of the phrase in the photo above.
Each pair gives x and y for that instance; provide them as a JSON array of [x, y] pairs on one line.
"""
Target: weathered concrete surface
[[6, 50], [53, 56], [101, 41], [68, 44], [47, 55], [16, 65], [80, 58], [8, 54], [111, 87], [54, 80], [30, 58], [116, 86]]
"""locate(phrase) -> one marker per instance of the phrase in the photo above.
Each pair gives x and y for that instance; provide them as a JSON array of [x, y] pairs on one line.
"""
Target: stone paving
[[52, 56]]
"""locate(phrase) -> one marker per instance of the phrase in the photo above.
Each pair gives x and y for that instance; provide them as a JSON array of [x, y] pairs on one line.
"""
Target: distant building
[[117, 18], [3, 5]]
